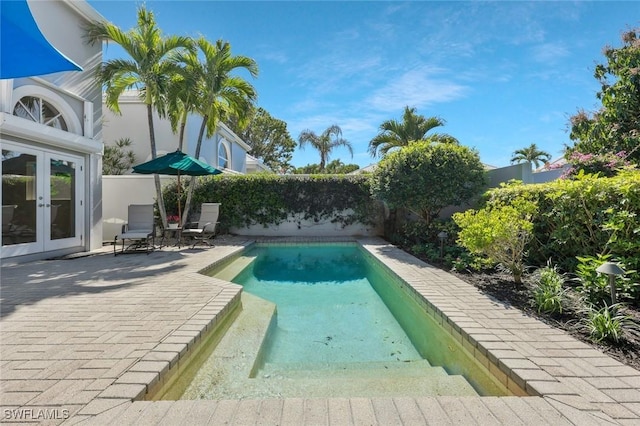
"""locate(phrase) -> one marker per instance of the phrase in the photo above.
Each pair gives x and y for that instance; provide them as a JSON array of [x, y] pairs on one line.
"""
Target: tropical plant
[[336, 167], [425, 177], [269, 199], [220, 94], [605, 165], [531, 154], [499, 232], [149, 69], [117, 159], [615, 126], [606, 323], [581, 217], [340, 168], [268, 138], [179, 102], [594, 286], [548, 290], [330, 139], [309, 169], [414, 127]]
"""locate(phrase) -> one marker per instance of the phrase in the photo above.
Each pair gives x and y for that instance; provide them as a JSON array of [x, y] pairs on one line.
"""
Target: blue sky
[[501, 74]]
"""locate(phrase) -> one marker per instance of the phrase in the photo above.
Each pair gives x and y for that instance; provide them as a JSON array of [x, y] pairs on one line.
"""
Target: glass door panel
[[21, 174], [63, 201], [42, 196], [62, 184]]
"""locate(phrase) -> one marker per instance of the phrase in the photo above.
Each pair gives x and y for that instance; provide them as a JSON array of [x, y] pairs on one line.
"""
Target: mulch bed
[[502, 287]]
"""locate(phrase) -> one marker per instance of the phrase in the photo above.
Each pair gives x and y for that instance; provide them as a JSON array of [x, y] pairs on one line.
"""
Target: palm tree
[[219, 94], [531, 154], [149, 69], [414, 127], [324, 143], [180, 102]]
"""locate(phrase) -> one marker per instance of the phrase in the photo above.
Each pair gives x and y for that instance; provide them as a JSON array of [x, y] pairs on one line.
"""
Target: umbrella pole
[[179, 212]]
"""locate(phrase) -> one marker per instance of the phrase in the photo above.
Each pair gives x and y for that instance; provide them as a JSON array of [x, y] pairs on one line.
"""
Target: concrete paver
[[95, 333]]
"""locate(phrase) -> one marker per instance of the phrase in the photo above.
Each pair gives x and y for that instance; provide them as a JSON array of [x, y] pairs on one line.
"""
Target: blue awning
[[24, 51]]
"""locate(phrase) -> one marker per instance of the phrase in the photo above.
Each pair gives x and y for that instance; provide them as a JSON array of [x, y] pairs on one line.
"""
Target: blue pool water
[[326, 320], [327, 310]]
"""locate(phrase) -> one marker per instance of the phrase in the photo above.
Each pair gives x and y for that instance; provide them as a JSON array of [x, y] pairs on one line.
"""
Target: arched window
[[37, 109], [223, 155]]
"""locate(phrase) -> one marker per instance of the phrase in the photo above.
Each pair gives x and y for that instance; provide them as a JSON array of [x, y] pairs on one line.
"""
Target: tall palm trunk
[[183, 124], [192, 184], [156, 177]]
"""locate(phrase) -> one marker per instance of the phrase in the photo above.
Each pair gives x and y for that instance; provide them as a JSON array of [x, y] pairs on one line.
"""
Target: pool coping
[[523, 352], [570, 377]]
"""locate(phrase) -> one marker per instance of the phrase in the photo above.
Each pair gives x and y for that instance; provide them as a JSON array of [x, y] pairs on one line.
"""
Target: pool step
[[229, 272], [417, 368], [227, 372], [368, 385]]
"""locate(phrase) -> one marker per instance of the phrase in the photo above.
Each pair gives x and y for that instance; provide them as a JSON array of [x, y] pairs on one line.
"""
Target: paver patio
[[82, 341]]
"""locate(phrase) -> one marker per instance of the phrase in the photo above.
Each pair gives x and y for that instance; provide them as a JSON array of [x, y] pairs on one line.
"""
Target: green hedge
[[582, 217], [264, 199]]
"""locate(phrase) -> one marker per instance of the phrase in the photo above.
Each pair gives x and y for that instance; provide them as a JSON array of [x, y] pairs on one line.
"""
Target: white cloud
[[271, 54], [549, 52], [416, 88], [330, 72], [278, 57]]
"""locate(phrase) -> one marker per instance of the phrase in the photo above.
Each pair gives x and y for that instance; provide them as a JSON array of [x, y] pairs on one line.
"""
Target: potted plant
[[173, 221]]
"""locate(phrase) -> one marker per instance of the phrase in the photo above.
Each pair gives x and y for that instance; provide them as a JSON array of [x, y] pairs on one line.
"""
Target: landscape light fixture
[[613, 270], [442, 235]]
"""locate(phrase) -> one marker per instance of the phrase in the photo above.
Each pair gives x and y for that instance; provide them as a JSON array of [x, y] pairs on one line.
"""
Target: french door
[[42, 200]]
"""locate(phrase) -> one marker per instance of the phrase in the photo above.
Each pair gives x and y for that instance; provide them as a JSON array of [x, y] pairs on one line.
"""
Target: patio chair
[[8, 228], [205, 229], [7, 218], [139, 230]]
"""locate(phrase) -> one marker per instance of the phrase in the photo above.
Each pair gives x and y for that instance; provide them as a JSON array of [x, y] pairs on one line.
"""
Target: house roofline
[[84, 9], [233, 136]]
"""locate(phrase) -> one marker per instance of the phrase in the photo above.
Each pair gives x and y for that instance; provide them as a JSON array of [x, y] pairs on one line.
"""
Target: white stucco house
[[224, 150], [51, 141]]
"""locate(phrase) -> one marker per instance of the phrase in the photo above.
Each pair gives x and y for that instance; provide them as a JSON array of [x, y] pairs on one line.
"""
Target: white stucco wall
[[75, 94], [521, 171], [120, 191], [305, 228], [132, 123], [548, 175]]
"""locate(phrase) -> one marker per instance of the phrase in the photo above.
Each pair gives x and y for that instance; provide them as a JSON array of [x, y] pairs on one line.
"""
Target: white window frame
[[223, 144], [70, 117]]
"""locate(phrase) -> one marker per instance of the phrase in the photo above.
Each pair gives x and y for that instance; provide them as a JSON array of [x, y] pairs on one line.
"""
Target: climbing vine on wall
[[263, 199]]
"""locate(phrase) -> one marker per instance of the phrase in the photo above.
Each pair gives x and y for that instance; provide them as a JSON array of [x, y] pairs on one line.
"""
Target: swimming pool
[[327, 311], [344, 325]]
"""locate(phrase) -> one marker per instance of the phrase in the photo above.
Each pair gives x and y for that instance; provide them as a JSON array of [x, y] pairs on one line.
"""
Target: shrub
[[594, 286], [604, 164], [581, 217], [548, 290], [499, 232], [424, 177], [468, 262]]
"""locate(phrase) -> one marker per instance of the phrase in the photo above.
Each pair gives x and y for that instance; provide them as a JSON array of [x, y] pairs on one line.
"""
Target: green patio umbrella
[[176, 164]]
